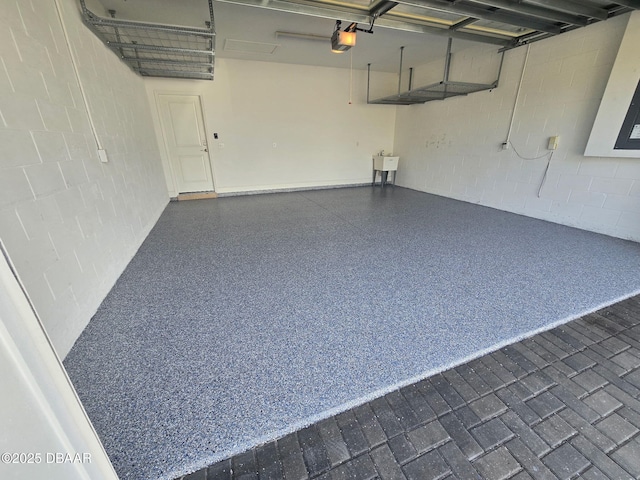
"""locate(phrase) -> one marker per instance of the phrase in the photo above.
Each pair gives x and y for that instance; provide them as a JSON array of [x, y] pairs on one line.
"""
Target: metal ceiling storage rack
[[157, 50], [435, 91]]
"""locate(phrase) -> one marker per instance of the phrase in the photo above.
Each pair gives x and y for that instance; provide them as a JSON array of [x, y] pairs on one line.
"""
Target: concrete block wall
[[70, 223], [453, 148]]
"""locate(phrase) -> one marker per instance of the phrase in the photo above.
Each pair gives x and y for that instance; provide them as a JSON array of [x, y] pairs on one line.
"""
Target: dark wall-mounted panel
[[629, 137]]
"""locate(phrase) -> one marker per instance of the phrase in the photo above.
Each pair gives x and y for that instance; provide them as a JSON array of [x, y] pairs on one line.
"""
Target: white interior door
[[184, 134]]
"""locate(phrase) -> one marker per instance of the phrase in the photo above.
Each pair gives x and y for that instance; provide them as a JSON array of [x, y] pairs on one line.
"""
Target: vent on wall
[[157, 50]]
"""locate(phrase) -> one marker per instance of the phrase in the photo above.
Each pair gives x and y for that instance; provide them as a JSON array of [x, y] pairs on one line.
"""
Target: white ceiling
[[252, 24]]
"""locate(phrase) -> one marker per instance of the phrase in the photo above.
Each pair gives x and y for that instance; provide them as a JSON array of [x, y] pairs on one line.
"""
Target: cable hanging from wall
[[508, 143], [549, 156]]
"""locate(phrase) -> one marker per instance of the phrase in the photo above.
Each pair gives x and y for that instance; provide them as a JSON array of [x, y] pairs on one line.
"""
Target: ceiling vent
[[241, 46]]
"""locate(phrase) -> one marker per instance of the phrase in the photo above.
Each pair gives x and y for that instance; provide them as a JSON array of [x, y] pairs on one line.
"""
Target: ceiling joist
[[635, 4], [473, 10], [508, 23], [536, 11], [573, 8], [463, 23], [388, 20]]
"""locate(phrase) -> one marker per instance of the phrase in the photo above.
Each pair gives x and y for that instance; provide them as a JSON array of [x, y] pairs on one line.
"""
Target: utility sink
[[385, 163]]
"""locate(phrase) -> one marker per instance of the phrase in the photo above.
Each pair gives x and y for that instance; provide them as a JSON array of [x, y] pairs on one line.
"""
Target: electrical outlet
[[505, 145], [553, 142], [275, 145]]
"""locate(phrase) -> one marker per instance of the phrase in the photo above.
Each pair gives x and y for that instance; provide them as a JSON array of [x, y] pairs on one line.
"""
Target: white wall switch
[[553, 142], [102, 155]]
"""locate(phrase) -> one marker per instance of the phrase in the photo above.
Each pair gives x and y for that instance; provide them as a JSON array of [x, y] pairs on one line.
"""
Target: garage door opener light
[[341, 41]]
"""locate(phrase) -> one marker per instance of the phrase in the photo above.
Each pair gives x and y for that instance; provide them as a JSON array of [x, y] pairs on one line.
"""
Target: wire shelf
[[158, 50], [436, 91]]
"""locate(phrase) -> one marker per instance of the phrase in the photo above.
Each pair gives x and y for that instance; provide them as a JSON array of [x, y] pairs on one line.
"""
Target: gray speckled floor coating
[[244, 318]]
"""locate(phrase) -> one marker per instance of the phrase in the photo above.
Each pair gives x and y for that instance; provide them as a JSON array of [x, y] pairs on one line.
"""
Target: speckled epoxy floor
[[241, 319]]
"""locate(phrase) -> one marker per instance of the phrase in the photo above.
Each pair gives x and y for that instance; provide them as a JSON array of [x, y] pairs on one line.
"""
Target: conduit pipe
[[74, 63], [515, 103]]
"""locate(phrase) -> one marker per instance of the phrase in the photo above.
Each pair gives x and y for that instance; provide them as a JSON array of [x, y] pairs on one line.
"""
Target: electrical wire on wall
[[544, 176], [549, 156], [508, 141]]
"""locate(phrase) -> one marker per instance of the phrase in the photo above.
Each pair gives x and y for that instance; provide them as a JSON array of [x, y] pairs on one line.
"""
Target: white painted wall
[[321, 139], [452, 148], [70, 223], [40, 415]]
